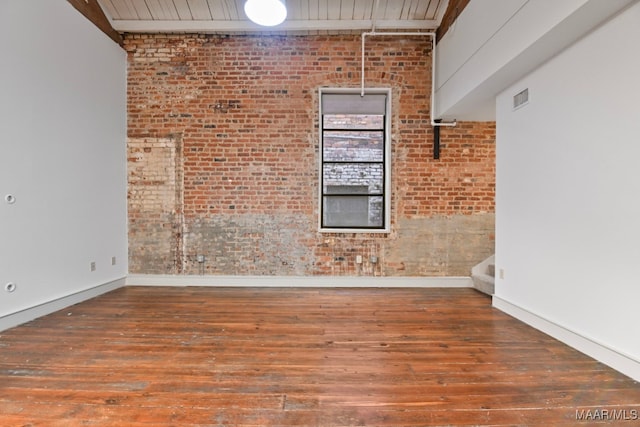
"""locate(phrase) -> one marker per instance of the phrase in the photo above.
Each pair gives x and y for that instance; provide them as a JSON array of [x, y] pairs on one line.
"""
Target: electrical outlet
[[93, 266], [113, 260], [358, 259], [501, 273]]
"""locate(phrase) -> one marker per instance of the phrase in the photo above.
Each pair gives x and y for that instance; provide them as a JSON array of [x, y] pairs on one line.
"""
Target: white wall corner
[[617, 360], [29, 314]]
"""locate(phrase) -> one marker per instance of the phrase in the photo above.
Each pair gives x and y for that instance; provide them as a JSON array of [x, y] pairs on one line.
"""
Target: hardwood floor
[[152, 356]]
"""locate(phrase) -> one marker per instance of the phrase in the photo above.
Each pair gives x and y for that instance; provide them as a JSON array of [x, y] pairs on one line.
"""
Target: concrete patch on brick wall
[[155, 205], [249, 244], [154, 248], [440, 245]]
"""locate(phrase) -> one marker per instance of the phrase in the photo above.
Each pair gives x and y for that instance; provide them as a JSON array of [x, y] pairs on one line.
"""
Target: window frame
[[386, 163]]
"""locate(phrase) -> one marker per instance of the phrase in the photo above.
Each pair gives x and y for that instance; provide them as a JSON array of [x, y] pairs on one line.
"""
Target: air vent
[[520, 99]]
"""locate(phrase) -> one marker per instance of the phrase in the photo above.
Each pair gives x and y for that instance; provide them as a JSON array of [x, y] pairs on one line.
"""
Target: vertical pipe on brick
[[436, 141], [181, 241], [374, 16]]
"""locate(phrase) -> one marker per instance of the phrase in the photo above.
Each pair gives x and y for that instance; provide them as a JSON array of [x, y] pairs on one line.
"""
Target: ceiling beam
[[202, 26], [454, 9], [93, 12]]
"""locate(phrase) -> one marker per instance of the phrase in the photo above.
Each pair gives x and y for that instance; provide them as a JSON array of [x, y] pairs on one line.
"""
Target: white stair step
[[491, 270], [484, 283]]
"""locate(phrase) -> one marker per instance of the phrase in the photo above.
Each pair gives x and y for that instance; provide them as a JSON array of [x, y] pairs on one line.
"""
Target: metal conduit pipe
[[434, 122]]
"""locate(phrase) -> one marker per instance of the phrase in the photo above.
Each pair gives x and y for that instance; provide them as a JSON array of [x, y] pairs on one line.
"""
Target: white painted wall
[[494, 43], [62, 154], [568, 191]]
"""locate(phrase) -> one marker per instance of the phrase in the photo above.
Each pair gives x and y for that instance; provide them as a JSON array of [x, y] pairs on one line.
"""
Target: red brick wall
[[223, 159]]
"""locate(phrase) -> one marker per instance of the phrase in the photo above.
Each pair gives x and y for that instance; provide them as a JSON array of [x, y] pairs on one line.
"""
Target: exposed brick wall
[[461, 181], [223, 159]]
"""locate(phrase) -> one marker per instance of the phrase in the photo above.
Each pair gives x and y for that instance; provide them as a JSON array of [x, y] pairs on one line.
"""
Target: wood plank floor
[[152, 356]]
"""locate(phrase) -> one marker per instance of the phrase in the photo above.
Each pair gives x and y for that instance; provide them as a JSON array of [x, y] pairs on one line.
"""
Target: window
[[354, 160]]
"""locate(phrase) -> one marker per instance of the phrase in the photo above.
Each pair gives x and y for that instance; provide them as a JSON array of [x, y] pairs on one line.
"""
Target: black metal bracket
[[436, 140]]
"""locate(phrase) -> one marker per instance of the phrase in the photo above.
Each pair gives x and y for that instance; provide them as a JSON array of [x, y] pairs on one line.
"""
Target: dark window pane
[[352, 121], [353, 146], [354, 175], [352, 211]]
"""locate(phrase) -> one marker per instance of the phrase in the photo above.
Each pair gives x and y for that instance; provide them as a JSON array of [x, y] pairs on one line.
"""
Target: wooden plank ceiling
[[305, 16]]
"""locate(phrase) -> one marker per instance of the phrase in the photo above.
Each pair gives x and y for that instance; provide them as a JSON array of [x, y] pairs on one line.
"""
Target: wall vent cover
[[521, 98]]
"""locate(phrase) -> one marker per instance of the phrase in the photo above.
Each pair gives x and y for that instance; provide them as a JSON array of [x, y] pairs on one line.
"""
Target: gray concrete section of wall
[[290, 245], [249, 244], [442, 245]]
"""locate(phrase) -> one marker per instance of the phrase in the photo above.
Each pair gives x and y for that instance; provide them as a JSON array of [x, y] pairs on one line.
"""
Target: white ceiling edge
[[469, 94], [202, 26]]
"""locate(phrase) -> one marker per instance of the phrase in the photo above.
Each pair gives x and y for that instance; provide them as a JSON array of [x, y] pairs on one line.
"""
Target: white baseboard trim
[[615, 359], [299, 281], [31, 313]]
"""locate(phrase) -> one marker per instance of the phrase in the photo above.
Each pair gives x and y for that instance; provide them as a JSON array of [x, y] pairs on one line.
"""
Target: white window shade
[[354, 104]]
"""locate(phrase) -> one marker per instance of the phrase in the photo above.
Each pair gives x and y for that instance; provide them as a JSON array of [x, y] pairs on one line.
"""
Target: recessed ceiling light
[[266, 12]]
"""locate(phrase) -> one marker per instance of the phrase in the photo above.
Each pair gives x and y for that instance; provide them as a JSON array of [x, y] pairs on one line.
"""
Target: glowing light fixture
[[266, 12]]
